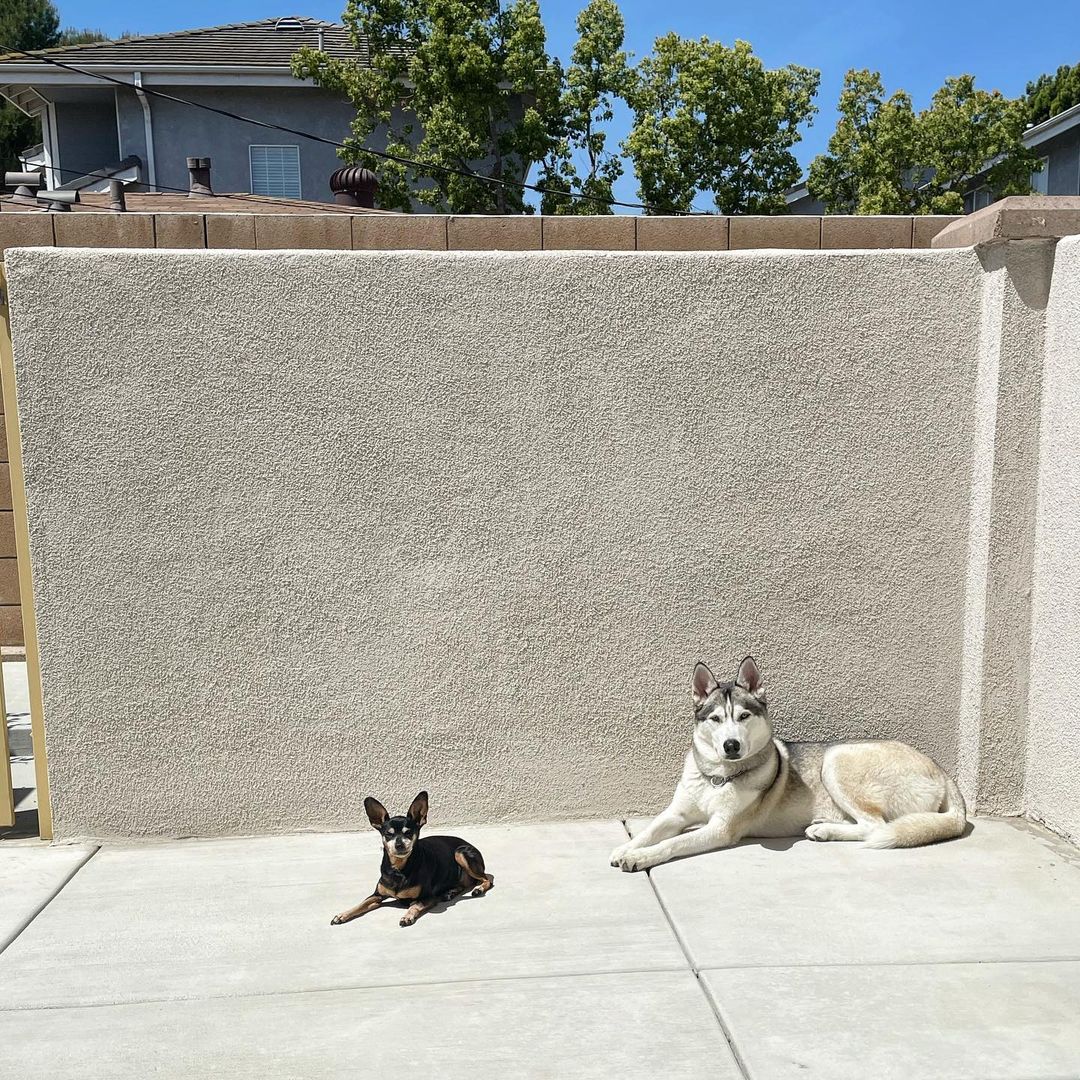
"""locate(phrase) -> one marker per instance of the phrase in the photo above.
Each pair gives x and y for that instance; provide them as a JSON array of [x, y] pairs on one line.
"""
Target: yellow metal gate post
[[22, 549], [7, 789]]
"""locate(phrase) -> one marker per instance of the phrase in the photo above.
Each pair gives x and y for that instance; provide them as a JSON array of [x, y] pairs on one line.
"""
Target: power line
[[464, 173]]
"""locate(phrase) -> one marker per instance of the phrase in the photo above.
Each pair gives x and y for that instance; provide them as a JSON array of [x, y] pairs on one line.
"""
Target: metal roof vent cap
[[290, 22], [354, 186], [59, 200], [26, 185], [199, 176]]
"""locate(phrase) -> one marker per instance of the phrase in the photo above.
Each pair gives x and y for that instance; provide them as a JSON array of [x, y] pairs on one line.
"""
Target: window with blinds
[[275, 170]]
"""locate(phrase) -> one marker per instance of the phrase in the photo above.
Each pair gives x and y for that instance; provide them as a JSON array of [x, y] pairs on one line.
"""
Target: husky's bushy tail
[[914, 830]]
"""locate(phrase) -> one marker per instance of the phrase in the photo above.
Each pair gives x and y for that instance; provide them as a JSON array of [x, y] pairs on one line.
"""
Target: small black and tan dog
[[426, 872]]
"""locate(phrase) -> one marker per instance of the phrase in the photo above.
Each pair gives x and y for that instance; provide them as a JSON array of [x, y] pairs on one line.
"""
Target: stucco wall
[[86, 133], [180, 132], [1052, 793], [308, 526]]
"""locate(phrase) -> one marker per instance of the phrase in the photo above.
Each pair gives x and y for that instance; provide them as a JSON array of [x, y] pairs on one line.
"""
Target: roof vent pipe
[[117, 203], [199, 172], [59, 200], [26, 186]]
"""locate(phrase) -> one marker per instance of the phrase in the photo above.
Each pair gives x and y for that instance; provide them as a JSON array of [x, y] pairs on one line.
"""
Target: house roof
[[266, 43], [1039, 133], [153, 202]]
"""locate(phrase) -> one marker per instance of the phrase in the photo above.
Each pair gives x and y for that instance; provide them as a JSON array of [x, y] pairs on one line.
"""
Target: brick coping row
[[336, 230]]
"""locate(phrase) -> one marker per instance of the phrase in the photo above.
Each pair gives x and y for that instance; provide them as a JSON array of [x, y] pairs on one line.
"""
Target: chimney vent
[[354, 186], [199, 173], [26, 186], [59, 200], [117, 202]]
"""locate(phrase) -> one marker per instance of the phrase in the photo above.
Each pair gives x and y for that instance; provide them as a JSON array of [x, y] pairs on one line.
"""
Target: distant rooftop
[[153, 202], [266, 43]]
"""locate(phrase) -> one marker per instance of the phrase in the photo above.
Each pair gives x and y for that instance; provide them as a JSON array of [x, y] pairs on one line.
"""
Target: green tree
[[708, 118], [463, 85], [73, 36], [598, 74], [1049, 95], [869, 157], [884, 158], [28, 25]]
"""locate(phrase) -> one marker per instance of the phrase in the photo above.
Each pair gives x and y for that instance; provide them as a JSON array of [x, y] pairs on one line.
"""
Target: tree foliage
[[709, 118], [73, 36], [1049, 95], [598, 74], [463, 85], [885, 158], [28, 24]]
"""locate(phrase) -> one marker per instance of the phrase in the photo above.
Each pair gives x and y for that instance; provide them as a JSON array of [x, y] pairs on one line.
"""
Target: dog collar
[[720, 779]]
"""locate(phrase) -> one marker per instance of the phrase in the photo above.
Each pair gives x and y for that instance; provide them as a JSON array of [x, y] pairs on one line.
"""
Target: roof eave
[[1056, 125]]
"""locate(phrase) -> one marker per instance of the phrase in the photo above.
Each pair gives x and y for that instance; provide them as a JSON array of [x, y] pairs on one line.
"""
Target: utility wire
[[465, 173]]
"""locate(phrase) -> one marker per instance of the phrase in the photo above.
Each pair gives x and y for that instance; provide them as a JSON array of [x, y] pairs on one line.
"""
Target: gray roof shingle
[[266, 43]]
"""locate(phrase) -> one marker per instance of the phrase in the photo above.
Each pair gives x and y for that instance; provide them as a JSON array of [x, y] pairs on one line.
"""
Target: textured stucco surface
[[308, 526], [1052, 793], [1005, 463]]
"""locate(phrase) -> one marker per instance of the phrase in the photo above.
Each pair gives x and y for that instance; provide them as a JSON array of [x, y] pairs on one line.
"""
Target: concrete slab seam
[[341, 989], [5, 942], [724, 1029]]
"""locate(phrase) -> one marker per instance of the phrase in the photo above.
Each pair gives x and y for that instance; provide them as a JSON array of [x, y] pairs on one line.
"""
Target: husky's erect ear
[[704, 682], [750, 678], [376, 812], [418, 810]]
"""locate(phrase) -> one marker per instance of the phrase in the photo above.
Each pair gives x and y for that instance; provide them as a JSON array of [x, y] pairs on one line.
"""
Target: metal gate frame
[[7, 788], [26, 591]]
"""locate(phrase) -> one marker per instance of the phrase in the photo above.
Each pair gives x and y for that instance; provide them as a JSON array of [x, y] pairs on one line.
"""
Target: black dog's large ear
[[750, 678], [376, 812], [419, 808], [704, 682]]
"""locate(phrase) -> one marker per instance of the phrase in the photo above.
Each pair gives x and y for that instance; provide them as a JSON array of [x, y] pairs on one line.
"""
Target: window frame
[[275, 146]]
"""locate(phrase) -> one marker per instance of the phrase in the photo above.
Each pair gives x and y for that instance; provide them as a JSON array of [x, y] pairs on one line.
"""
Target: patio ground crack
[[724, 1029]]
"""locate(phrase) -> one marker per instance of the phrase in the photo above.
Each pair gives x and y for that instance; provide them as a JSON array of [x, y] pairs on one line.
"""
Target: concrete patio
[[783, 959]]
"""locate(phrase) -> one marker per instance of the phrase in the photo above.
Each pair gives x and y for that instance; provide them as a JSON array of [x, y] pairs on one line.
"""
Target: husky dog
[[740, 780]]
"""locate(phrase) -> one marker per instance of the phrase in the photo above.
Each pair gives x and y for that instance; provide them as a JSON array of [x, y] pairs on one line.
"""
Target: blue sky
[[915, 44]]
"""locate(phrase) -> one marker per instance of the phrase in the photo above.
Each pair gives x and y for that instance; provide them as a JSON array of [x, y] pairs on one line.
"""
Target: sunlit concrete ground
[[785, 959]]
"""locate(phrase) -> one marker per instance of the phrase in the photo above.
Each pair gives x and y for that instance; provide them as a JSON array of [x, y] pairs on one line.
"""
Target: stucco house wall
[[465, 521], [1063, 165], [1052, 793], [181, 131], [86, 134]]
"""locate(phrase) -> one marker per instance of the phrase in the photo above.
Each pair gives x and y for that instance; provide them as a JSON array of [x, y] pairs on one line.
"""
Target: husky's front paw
[[619, 852], [819, 830], [639, 859]]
